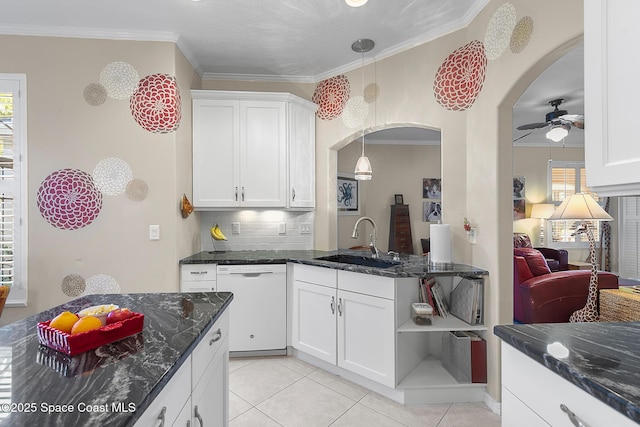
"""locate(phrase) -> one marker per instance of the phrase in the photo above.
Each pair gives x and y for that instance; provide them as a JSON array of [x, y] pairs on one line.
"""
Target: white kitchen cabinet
[[612, 155], [241, 147], [366, 336], [533, 395], [164, 409], [202, 382], [348, 322], [210, 397], [314, 320], [302, 152], [198, 277]]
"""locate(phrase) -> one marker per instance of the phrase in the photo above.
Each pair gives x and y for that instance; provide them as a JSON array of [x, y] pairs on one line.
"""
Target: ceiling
[[267, 40]]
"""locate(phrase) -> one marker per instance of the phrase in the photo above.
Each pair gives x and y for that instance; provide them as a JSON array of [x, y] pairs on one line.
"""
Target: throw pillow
[[535, 260]]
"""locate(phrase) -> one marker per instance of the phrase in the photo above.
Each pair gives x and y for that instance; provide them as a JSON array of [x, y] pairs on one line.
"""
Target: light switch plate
[[305, 228], [154, 232], [282, 228], [472, 236], [235, 228]]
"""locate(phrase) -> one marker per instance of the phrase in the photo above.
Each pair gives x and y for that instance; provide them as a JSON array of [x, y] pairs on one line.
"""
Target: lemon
[[64, 321], [84, 324]]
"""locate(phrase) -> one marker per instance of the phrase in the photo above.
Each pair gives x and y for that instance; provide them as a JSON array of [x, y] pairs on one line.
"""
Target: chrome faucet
[[372, 242]]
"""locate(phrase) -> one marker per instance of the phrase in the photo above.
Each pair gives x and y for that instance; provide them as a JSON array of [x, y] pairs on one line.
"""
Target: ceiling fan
[[558, 120]]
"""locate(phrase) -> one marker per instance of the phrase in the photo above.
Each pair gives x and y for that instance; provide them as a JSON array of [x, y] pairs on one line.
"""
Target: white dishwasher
[[258, 312]]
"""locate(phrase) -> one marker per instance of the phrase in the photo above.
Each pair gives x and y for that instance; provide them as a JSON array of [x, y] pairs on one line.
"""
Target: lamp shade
[[558, 132], [363, 170], [580, 207], [542, 210]]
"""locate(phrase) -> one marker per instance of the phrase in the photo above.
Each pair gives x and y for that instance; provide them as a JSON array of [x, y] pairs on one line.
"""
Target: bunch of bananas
[[216, 233]]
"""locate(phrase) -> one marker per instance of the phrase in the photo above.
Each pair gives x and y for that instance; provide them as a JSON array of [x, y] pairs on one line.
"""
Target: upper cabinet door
[[612, 153], [216, 153], [263, 154], [302, 159]]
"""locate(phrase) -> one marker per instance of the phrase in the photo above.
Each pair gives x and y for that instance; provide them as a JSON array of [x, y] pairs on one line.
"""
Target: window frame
[[17, 83], [578, 166]]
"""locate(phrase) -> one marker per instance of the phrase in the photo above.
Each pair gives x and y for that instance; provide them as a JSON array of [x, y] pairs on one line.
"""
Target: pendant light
[[363, 171]]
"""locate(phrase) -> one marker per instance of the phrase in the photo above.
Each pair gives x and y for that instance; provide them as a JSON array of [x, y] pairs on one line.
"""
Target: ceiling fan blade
[[526, 134], [532, 126], [576, 120]]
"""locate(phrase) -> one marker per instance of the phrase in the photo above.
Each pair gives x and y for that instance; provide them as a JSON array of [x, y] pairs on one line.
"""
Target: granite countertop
[[88, 388], [603, 360], [410, 266]]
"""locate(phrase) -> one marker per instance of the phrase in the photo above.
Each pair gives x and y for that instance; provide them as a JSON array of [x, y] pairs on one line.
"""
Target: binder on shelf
[[466, 300], [464, 356]]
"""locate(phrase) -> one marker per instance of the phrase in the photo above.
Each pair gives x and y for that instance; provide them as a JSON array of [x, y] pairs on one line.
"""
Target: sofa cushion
[[535, 260]]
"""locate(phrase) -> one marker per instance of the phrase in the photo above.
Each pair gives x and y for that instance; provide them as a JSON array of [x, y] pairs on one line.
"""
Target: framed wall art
[[431, 188], [348, 195], [431, 211]]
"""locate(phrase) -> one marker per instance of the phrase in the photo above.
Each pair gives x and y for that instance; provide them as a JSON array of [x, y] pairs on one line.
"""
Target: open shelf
[[451, 323]]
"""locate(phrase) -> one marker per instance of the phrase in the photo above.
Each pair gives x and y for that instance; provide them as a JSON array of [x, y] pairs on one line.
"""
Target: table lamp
[[582, 207], [542, 211]]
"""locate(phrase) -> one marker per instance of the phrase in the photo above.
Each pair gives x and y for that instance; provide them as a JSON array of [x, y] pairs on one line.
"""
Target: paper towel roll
[[440, 236]]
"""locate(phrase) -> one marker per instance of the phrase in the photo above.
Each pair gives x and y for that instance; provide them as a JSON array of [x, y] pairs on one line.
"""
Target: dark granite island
[[113, 384], [600, 361]]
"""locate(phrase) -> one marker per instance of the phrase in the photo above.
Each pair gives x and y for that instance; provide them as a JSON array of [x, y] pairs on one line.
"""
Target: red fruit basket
[[85, 341]]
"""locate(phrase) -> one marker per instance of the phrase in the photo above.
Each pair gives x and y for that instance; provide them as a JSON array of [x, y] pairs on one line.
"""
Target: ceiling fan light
[[355, 3], [363, 171], [558, 132]]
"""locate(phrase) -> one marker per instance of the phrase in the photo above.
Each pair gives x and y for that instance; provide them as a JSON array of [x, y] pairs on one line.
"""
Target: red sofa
[[541, 296]]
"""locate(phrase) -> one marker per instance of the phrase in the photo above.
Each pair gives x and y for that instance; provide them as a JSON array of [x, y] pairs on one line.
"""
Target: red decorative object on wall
[[69, 199], [156, 103], [331, 95], [459, 79]]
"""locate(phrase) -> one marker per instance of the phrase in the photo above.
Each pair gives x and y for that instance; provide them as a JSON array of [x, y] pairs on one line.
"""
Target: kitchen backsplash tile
[[259, 230]]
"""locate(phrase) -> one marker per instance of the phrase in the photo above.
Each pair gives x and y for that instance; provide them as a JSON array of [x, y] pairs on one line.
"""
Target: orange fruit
[[84, 324], [64, 321]]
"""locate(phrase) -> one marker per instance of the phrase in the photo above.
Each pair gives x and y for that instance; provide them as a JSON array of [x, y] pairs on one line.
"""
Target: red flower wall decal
[[156, 104], [331, 95], [68, 199], [459, 79]]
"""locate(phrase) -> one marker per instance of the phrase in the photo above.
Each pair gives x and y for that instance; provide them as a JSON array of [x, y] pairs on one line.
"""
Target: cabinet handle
[[188, 423], [333, 305], [216, 337], [198, 272], [293, 194], [161, 416], [236, 194], [243, 193], [197, 415], [572, 417], [340, 306]]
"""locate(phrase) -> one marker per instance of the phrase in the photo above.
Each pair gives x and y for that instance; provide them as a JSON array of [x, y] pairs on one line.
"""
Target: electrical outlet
[[235, 228], [154, 232], [282, 228], [472, 236], [305, 228]]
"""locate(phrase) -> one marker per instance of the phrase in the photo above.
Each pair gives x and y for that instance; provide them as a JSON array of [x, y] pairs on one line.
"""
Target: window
[[629, 232], [13, 206], [565, 179]]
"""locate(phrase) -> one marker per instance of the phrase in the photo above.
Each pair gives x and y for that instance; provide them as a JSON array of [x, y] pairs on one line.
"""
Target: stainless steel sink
[[360, 260]]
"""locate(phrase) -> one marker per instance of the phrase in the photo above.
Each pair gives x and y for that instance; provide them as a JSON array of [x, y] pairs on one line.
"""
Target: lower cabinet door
[[184, 417], [313, 320], [210, 397], [366, 336]]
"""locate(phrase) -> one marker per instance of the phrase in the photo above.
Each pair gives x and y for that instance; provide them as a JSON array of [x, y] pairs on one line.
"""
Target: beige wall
[[397, 169], [66, 132]]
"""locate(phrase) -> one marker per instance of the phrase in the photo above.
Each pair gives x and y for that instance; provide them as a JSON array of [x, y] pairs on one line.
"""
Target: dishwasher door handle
[[249, 273]]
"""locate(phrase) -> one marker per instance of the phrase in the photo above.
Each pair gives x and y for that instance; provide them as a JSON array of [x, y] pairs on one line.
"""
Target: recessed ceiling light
[[356, 3]]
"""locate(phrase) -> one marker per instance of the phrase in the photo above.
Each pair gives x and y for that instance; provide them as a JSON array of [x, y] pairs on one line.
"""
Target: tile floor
[[286, 392]]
